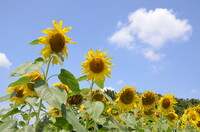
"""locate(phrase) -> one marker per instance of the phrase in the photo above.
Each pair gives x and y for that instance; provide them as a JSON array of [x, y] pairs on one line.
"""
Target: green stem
[[40, 103], [52, 76], [90, 99]]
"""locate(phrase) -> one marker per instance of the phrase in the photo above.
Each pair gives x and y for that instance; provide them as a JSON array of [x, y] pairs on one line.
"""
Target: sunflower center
[[114, 111], [19, 94], [97, 97], [148, 99], [193, 117], [75, 99], [127, 97], [198, 110], [166, 103], [57, 42], [97, 65], [172, 116], [198, 123], [31, 86], [148, 112]]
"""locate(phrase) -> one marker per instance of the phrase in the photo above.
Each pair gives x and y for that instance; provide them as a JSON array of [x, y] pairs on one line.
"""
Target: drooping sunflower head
[[59, 84], [97, 95], [166, 103], [29, 87], [97, 66], [75, 100], [19, 98], [173, 117], [126, 98], [148, 100], [114, 112], [148, 112], [55, 112], [55, 41]]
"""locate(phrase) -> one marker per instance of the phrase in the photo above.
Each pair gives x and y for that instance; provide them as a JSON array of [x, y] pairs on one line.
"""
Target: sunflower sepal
[[82, 78], [68, 79], [99, 83], [58, 57], [35, 42]]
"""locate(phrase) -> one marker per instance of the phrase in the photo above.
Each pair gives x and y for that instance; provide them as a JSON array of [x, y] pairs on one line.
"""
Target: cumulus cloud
[[153, 28], [4, 62], [152, 55], [120, 81], [194, 90]]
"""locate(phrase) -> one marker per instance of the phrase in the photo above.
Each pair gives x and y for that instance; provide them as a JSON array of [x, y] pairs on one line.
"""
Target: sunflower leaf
[[68, 79], [9, 126], [10, 113], [100, 84], [47, 94], [26, 67], [94, 109], [6, 97], [82, 78], [35, 42], [73, 120], [20, 81]]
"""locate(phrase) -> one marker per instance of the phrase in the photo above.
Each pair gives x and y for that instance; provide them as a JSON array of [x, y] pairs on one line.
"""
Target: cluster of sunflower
[[97, 68], [190, 117]]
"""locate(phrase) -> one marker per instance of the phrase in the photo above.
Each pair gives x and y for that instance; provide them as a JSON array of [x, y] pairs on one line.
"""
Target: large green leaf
[[109, 98], [73, 120], [35, 42], [68, 79], [29, 129], [9, 126], [21, 70], [63, 123], [4, 98], [20, 81], [117, 125], [10, 113], [28, 66], [94, 109], [52, 97]]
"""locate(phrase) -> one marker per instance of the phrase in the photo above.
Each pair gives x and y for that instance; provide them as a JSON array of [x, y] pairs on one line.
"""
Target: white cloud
[[109, 88], [153, 28], [4, 62], [120, 81], [151, 55], [194, 90]]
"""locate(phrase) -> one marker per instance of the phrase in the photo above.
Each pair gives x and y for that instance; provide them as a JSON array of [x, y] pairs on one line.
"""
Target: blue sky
[[154, 44]]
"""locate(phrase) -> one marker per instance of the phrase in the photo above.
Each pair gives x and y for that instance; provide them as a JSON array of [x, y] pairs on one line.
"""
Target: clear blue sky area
[[154, 44]]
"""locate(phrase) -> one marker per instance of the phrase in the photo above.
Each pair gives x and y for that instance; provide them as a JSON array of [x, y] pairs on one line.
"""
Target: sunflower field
[[76, 109]]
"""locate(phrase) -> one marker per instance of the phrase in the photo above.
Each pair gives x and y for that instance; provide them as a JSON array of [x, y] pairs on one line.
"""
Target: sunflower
[[149, 112], [59, 84], [114, 112], [148, 100], [55, 112], [193, 116], [19, 97], [55, 41], [97, 65], [75, 99], [29, 87], [197, 109], [166, 103], [126, 99], [173, 117], [96, 95], [197, 125]]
